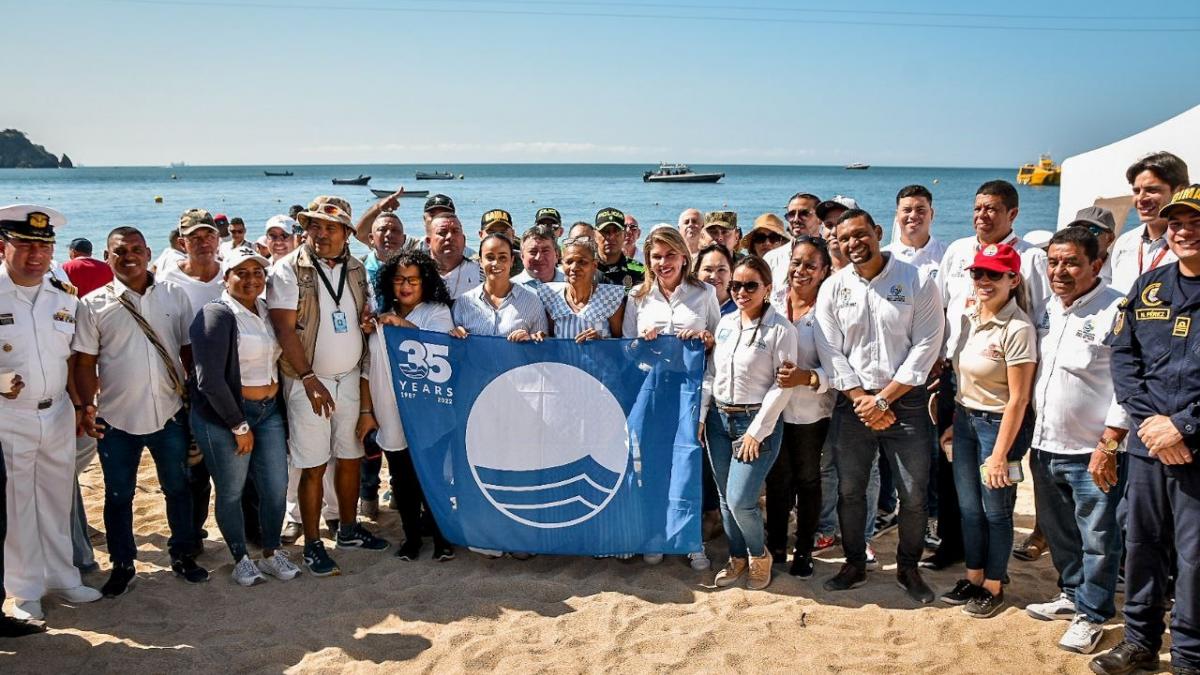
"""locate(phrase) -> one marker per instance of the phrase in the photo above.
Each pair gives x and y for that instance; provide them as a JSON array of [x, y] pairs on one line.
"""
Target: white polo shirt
[[808, 405], [432, 316], [1134, 254], [136, 395], [958, 290], [1073, 393], [465, 276], [741, 368], [879, 330], [926, 259], [335, 353], [690, 307], [200, 293]]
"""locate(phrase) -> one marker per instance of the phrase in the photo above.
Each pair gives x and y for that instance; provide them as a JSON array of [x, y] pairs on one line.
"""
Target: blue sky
[[703, 81]]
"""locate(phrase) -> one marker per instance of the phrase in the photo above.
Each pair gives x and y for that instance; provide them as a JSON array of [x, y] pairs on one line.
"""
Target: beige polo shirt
[[988, 350]]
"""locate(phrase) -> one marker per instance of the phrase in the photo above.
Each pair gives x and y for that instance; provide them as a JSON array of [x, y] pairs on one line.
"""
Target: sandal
[[1031, 549]]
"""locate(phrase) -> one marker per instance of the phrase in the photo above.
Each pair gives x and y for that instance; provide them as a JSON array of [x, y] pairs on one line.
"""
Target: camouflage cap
[[325, 207], [195, 219], [726, 220]]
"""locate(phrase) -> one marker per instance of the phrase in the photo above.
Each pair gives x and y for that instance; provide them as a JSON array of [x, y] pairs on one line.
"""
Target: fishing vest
[[308, 308]]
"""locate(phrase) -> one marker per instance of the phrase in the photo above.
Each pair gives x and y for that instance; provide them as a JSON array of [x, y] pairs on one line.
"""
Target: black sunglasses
[[992, 275], [798, 213], [750, 286], [760, 237]]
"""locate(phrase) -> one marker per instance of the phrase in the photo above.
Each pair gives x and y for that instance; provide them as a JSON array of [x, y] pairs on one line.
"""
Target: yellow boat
[[1045, 172]]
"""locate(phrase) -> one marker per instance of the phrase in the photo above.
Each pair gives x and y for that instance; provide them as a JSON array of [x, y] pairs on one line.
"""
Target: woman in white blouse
[[498, 307], [410, 294], [581, 309], [671, 300], [795, 480], [740, 408]]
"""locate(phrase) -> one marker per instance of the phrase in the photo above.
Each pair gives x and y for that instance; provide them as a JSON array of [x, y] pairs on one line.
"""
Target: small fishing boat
[[858, 166], [361, 180], [679, 173], [407, 193], [1045, 172], [278, 173], [436, 175]]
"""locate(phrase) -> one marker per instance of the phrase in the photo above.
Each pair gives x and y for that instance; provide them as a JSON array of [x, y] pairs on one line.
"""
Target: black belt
[[45, 403], [752, 408]]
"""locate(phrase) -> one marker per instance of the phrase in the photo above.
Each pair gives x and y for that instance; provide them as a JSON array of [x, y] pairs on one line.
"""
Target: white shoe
[[279, 566], [490, 553], [246, 573], [78, 594], [28, 610], [652, 558], [1061, 608], [699, 560], [872, 561], [1082, 635]]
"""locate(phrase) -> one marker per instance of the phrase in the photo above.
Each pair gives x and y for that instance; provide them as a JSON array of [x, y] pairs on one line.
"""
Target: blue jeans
[[828, 523], [739, 483], [266, 465], [1080, 525], [987, 514], [120, 455], [906, 446]]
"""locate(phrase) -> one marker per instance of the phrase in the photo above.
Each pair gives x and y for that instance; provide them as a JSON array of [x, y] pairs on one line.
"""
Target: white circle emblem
[[547, 444]]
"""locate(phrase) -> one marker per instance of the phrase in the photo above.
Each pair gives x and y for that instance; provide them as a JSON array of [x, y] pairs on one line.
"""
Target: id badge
[[339, 322]]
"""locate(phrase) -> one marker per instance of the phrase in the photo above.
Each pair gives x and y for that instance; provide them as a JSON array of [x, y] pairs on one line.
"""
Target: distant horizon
[[188, 165]]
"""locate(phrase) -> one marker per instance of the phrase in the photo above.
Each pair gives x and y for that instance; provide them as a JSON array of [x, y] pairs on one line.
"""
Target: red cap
[[997, 258], [220, 217]]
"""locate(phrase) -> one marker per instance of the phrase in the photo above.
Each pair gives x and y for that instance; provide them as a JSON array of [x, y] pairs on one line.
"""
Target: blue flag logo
[[554, 447]]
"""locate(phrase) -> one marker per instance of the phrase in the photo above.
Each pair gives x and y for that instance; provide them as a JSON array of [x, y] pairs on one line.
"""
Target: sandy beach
[[542, 615]]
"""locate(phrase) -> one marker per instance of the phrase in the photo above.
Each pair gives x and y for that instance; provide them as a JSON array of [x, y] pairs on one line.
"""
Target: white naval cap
[[30, 222]]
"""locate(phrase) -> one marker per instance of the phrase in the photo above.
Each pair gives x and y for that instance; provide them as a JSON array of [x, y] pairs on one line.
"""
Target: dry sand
[[543, 615]]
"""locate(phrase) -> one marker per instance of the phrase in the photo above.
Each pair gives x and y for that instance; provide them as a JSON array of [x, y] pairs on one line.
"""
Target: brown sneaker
[[734, 569], [760, 572]]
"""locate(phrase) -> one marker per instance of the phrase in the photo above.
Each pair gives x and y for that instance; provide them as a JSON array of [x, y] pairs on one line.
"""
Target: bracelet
[[368, 411], [307, 374]]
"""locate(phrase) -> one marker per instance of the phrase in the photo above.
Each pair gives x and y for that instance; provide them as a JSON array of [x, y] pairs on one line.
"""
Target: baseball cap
[[1188, 196], [610, 216], [221, 218], [1097, 216], [837, 202], [997, 258], [81, 245], [1038, 238], [495, 218], [548, 214], [439, 202], [240, 255], [279, 221], [195, 219], [726, 220]]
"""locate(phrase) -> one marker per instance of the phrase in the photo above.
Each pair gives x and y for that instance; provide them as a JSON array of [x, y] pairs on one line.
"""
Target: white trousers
[[39, 453], [329, 506]]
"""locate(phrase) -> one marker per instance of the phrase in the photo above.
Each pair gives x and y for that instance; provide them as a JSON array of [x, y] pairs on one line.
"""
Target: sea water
[[97, 199]]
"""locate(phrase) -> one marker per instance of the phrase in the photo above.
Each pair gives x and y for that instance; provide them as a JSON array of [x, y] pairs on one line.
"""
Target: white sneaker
[[279, 566], [652, 558], [1082, 635], [872, 561], [28, 610], [78, 594], [490, 553], [699, 560], [246, 573], [1061, 608]]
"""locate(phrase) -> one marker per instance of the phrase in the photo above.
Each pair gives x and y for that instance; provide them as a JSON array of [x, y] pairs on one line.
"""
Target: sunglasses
[[992, 275], [279, 235], [798, 214], [766, 236], [750, 286], [410, 281]]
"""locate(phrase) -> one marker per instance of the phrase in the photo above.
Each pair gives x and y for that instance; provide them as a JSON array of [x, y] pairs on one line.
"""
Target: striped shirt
[[521, 309], [605, 301]]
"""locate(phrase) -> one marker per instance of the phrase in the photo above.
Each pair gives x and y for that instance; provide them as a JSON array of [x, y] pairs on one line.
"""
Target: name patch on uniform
[[1153, 314], [6, 320], [1182, 325]]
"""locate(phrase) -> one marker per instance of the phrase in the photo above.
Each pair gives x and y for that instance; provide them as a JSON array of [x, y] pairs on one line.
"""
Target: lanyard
[[1153, 262], [337, 297]]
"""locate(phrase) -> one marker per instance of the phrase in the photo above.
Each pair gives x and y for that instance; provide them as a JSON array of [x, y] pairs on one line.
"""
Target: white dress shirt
[[520, 309], [926, 259], [690, 307], [1134, 254], [431, 316], [1073, 379], [808, 405], [741, 368], [35, 338], [465, 276], [958, 290], [878, 330], [258, 350], [136, 395], [525, 279]]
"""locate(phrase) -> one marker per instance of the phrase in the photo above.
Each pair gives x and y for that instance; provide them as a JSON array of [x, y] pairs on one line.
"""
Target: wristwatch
[[881, 402], [813, 380], [1108, 446], [241, 429]]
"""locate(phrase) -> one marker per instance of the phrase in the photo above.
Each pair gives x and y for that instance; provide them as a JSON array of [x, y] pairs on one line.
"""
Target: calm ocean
[[97, 199]]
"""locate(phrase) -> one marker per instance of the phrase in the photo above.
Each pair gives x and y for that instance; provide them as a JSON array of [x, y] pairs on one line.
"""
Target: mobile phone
[[1016, 473], [737, 447], [371, 449]]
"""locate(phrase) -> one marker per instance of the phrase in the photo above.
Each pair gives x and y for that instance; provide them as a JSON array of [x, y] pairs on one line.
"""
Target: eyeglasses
[[749, 286], [992, 275], [798, 214], [279, 236], [409, 281]]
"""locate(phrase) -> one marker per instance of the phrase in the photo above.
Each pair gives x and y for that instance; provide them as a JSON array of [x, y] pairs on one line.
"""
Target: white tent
[[1100, 174]]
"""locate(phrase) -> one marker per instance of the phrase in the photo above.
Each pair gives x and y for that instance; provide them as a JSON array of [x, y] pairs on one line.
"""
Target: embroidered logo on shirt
[[845, 299], [1150, 295], [1087, 332], [896, 294], [993, 352]]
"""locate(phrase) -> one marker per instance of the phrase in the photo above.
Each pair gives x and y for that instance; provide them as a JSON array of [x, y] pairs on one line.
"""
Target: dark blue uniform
[[1156, 371]]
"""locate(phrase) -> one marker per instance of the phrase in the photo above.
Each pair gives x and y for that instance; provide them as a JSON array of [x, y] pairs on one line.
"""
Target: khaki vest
[[308, 310]]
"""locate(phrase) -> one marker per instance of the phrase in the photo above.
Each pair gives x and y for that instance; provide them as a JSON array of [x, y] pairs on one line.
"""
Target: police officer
[[610, 241], [1156, 377], [37, 424]]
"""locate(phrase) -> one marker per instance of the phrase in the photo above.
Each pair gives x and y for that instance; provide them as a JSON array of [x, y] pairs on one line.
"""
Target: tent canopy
[[1100, 174]]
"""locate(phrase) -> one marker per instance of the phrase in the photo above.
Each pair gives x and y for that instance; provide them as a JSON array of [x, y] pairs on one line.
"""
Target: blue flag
[[557, 447]]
